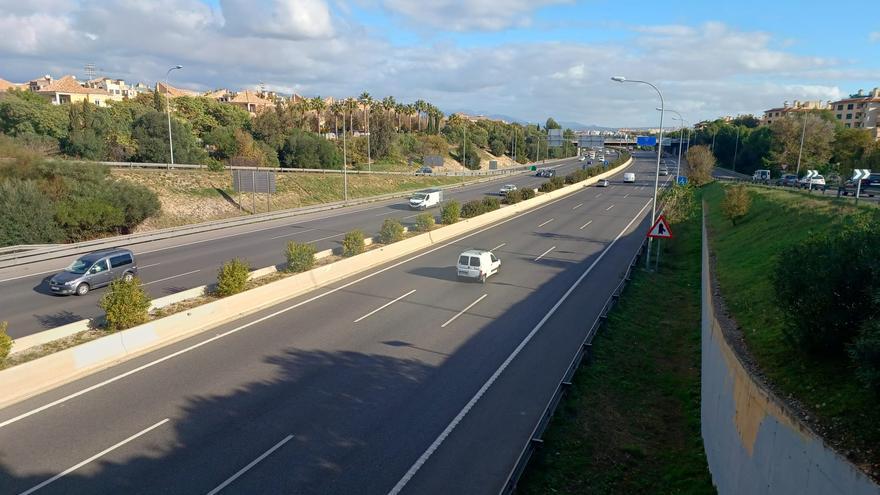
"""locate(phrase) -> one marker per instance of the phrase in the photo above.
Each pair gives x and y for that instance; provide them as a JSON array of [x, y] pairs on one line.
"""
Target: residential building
[[796, 106], [117, 88], [860, 111], [6, 85], [247, 100], [68, 90], [173, 92]]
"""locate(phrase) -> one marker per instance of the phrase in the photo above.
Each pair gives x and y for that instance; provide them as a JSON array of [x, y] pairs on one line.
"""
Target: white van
[[629, 177], [423, 200], [477, 264]]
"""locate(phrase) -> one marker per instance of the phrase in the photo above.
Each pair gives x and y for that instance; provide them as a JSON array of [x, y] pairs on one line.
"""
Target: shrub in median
[[527, 193], [300, 257], [232, 277], [736, 203], [391, 231], [5, 341], [472, 209], [513, 197], [546, 187], [353, 243], [491, 203], [125, 304], [424, 222], [557, 182], [450, 212]]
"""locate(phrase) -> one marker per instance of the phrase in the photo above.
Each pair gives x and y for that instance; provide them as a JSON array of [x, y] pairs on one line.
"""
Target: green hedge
[[513, 197], [300, 257], [232, 277], [391, 231], [527, 193], [425, 222], [5, 341], [473, 208], [125, 304], [353, 243], [450, 213]]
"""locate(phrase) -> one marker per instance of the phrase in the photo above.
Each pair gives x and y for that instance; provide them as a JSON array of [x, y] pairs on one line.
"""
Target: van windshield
[[79, 266], [419, 196]]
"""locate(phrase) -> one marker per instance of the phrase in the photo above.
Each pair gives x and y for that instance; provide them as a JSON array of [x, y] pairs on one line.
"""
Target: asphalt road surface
[[402, 380], [178, 264]]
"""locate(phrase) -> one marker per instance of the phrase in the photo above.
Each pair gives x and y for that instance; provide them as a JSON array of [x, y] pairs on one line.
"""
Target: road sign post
[[858, 175], [660, 230], [681, 180]]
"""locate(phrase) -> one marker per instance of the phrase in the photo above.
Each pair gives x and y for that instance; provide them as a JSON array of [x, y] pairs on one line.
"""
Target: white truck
[[423, 200]]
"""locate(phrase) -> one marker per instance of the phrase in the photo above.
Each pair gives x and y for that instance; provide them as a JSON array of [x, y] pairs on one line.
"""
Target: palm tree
[[336, 108], [419, 106], [367, 101], [399, 108], [318, 105], [349, 103], [388, 104]]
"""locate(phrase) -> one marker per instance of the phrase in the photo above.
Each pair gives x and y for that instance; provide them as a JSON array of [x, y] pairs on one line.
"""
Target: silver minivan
[[94, 270]]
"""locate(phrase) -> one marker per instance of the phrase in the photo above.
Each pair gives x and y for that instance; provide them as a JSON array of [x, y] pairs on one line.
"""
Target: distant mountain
[[577, 126]]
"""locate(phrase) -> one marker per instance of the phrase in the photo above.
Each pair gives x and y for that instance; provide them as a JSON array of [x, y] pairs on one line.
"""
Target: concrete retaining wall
[[31, 378], [753, 443]]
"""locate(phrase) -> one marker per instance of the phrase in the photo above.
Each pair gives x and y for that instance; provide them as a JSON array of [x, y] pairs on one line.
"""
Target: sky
[[528, 59]]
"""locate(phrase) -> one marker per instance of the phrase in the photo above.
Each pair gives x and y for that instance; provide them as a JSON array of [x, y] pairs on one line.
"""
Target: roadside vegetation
[[799, 275], [630, 422]]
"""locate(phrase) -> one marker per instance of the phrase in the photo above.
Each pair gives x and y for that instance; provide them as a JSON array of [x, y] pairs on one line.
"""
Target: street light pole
[[168, 113], [622, 79], [735, 148], [801, 151], [344, 161], [680, 140]]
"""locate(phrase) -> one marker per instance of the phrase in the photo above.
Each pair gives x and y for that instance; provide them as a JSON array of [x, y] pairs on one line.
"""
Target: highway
[[402, 380], [177, 264]]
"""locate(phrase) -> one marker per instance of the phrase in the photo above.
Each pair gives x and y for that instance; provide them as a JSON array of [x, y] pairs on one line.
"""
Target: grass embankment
[[843, 411], [631, 420], [190, 196]]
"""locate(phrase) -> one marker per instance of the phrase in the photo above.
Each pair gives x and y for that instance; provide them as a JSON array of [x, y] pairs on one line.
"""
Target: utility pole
[[801, 151], [344, 161], [735, 148]]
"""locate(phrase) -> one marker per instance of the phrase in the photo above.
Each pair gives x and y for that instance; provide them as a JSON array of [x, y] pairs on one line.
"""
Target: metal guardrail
[[583, 352]]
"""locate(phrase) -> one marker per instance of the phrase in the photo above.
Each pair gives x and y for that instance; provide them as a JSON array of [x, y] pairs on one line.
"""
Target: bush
[[232, 277], [546, 187], [678, 203], [300, 257], [215, 165], [736, 203], [353, 243], [450, 213], [491, 203], [527, 193], [865, 354], [557, 182], [391, 231], [5, 341], [826, 286], [425, 222], [513, 197], [126, 304], [473, 208]]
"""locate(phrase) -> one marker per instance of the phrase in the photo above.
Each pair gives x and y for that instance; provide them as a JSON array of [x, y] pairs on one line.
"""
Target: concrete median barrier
[[31, 378]]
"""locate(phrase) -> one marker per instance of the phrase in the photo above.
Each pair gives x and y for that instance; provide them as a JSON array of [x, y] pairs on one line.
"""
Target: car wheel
[[82, 289], [483, 278], [128, 276]]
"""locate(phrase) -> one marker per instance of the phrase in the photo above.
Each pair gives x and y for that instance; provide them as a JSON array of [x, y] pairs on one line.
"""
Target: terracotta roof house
[[6, 85], [250, 101], [68, 90], [173, 92]]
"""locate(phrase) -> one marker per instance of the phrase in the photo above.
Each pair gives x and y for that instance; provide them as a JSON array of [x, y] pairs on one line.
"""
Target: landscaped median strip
[[30, 378]]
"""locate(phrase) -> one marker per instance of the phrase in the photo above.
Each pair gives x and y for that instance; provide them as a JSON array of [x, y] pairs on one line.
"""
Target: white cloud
[[287, 19], [875, 36], [704, 71], [468, 15]]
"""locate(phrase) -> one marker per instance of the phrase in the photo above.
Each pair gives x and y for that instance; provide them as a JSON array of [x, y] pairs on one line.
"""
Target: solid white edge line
[[469, 306], [498, 246], [470, 404], [585, 225], [380, 308], [264, 318], [291, 234], [545, 253], [92, 458], [545, 223], [250, 465], [577, 206], [173, 276], [609, 208]]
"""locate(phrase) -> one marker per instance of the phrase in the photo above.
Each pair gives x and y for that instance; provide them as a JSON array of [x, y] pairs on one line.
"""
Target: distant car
[[629, 177], [664, 170], [761, 176], [870, 186], [788, 180], [582, 158], [506, 188], [815, 182], [94, 270], [425, 171], [477, 264], [602, 183]]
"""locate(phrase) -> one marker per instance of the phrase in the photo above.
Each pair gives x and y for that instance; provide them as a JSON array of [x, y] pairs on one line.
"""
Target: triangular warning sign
[[660, 230]]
